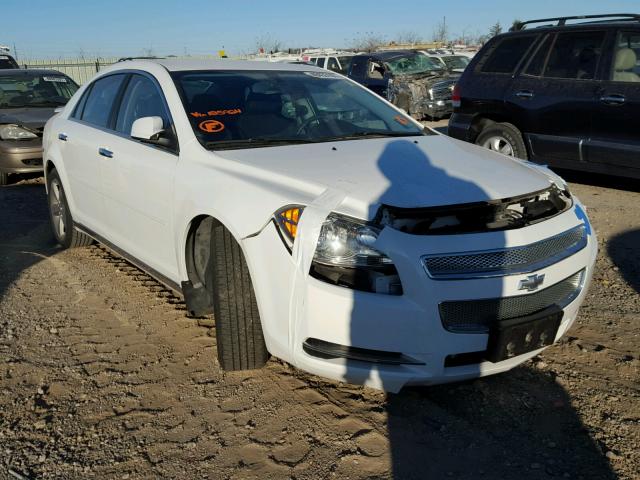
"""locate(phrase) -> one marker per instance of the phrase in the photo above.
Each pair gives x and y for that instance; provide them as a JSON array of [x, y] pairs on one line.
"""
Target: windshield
[[247, 109], [413, 63], [456, 61], [29, 90]]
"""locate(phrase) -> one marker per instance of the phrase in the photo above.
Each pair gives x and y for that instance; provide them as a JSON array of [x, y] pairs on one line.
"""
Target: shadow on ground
[[624, 250]]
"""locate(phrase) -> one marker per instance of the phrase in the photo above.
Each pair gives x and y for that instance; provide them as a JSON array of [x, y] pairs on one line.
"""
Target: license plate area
[[515, 336]]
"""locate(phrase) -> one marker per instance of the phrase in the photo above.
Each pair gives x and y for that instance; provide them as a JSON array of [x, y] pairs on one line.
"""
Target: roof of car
[[574, 26], [178, 65], [31, 71]]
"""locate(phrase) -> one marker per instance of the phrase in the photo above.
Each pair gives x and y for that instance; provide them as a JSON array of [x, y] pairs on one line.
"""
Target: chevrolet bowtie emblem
[[531, 283]]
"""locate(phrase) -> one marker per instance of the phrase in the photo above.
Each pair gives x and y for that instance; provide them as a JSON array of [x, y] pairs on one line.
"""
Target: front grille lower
[[442, 90], [507, 261], [477, 316]]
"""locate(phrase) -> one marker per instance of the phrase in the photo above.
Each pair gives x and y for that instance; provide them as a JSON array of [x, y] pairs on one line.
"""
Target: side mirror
[[147, 128]]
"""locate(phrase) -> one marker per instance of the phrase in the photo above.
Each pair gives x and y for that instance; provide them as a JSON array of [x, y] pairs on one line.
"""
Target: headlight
[[347, 243], [344, 254], [15, 132]]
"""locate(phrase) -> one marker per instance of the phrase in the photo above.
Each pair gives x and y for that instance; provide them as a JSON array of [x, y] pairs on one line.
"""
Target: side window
[[141, 99], [626, 60], [99, 104], [536, 65], [575, 55], [506, 55], [77, 111], [333, 65], [375, 70], [321, 62], [359, 67]]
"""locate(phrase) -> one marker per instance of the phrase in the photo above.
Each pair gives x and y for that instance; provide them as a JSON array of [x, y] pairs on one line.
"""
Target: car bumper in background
[[460, 127], [21, 156]]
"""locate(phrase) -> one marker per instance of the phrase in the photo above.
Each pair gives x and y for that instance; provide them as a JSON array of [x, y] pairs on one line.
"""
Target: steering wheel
[[306, 123]]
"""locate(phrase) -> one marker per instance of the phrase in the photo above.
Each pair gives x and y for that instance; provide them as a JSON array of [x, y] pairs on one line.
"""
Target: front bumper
[[21, 156], [436, 108], [409, 324]]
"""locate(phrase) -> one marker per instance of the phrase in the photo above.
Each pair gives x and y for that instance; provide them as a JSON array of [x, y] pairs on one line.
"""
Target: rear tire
[[4, 179], [61, 220], [238, 329], [503, 138]]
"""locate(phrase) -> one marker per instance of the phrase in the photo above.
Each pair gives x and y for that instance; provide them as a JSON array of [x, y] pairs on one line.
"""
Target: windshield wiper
[[254, 142], [357, 135]]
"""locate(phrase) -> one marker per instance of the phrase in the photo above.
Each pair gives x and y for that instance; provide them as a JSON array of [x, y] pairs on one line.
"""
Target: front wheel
[[61, 221], [503, 138], [239, 335]]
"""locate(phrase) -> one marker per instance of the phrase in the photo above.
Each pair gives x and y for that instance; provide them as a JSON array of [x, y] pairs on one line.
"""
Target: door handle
[[615, 99], [62, 136], [524, 94], [105, 152]]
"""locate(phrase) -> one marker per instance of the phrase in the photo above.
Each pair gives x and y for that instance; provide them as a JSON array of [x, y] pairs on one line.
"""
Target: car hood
[[409, 172], [30, 117]]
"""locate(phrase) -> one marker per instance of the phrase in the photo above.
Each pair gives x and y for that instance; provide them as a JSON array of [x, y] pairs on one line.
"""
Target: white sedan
[[317, 222]]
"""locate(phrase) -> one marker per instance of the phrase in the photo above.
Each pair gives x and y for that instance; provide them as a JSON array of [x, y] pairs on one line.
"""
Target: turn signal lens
[[287, 220]]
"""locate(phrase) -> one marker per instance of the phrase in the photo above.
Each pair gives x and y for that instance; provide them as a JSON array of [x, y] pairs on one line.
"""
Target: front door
[[137, 181], [615, 137]]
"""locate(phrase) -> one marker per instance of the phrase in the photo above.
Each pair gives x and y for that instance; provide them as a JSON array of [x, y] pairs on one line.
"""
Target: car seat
[[625, 60], [262, 117]]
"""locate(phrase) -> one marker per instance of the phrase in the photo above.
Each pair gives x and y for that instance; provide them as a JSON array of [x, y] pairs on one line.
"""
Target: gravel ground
[[103, 376]]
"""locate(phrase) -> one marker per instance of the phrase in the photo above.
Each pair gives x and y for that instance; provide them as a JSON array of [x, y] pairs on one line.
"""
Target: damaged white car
[[318, 222]]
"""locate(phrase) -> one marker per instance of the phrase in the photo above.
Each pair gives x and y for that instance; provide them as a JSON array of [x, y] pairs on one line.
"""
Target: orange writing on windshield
[[213, 113], [211, 126]]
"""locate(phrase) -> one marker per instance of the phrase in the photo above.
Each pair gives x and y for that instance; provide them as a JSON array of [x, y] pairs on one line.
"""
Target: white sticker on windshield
[[55, 79], [330, 75]]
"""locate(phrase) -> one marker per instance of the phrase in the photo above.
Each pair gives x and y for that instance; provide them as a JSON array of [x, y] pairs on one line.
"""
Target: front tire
[[238, 329], [60, 215], [503, 138]]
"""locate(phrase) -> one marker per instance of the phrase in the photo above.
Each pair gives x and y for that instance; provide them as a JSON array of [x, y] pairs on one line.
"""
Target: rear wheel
[[61, 221], [4, 179], [238, 329], [503, 138]]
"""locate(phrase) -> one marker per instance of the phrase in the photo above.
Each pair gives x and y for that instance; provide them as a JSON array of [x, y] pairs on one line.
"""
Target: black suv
[[567, 95], [410, 80], [7, 61]]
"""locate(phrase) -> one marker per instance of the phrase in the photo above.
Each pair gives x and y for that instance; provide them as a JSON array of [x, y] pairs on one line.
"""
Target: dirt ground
[[103, 376]]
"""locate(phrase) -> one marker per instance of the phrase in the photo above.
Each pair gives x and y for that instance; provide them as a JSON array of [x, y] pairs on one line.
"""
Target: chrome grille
[[477, 316], [507, 261], [442, 90]]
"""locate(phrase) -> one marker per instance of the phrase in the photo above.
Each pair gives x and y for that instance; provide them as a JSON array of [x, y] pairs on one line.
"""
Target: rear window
[[575, 55], [98, 106], [506, 55]]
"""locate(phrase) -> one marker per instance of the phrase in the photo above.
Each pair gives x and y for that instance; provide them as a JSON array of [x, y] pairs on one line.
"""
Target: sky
[[70, 28]]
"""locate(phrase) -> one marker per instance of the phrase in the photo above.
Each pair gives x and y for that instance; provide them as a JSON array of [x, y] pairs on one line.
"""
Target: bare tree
[[496, 29], [408, 37], [515, 25], [441, 31], [368, 42], [267, 43], [148, 52]]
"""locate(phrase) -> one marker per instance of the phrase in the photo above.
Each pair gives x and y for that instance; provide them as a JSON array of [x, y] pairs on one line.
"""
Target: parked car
[[567, 95], [453, 63], [318, 222], [28, 99], [410, 80], [338, 62], [7, 61]]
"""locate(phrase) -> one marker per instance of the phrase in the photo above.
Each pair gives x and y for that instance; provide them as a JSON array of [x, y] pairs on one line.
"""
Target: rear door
[[615, 140], [83, 135], [551, 100]]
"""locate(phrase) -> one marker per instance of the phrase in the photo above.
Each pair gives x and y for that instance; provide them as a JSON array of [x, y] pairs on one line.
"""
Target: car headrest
[[264, 103], [625, 59]]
